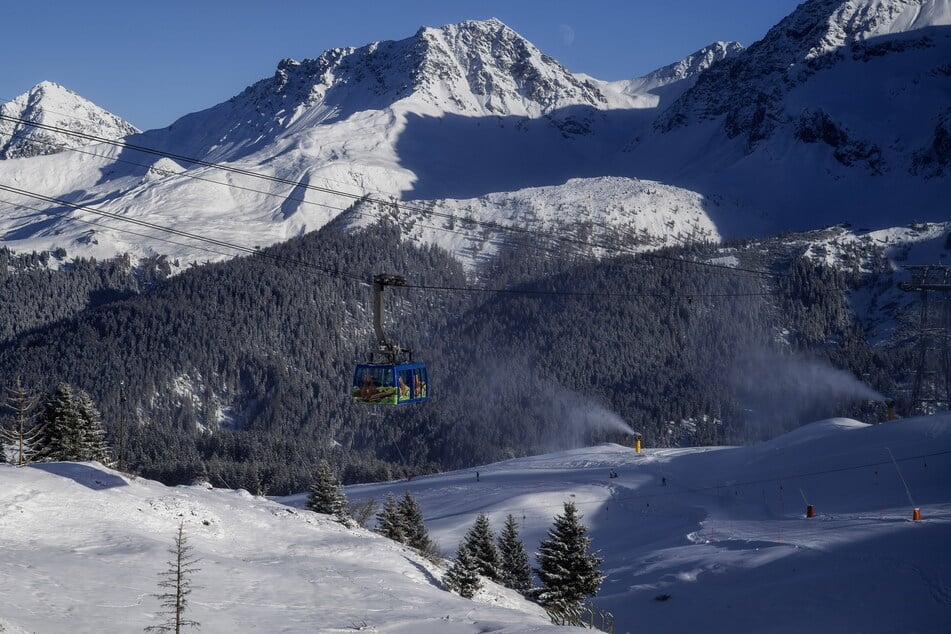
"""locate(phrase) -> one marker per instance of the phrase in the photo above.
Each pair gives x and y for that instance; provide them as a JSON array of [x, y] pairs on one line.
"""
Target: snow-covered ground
[[722, 533], [82, 546]]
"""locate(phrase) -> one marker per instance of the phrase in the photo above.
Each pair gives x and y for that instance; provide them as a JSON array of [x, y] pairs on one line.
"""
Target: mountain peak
[[694, 64], [473, 68], [485, 67], [817, 36], [52, 104]]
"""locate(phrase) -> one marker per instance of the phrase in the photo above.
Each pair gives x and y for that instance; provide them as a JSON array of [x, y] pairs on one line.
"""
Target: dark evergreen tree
[[415, 534], [567, 571], [93, 444], [463, 574], [59, 435], [176, 581], [516, 571], [480, 541], [327, 496], [69, 428], [390, 521]]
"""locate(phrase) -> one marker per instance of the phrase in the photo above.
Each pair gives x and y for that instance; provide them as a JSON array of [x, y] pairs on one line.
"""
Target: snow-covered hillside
[[631, 215], [722, 533], [53, 105], [81, 548], [713, 540]]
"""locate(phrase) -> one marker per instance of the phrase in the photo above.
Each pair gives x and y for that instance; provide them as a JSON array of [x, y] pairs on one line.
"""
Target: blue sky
[[151, 63]]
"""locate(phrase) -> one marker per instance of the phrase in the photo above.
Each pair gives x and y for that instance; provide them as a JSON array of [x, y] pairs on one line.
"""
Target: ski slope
[[720, 532]]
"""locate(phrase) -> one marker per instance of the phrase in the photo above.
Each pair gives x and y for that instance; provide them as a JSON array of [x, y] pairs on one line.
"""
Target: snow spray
[[580, 416], [560, 418], [786, 390]]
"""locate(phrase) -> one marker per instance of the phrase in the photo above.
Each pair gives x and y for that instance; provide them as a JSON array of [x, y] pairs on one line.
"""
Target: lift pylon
[[931, 390]]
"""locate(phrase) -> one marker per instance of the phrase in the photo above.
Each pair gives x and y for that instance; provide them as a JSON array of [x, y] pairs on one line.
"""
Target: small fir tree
[[463, 574], [176, 580], [415, 534], [327, 496], [390, 521], [568, 573], [480, 541], [515, 569]]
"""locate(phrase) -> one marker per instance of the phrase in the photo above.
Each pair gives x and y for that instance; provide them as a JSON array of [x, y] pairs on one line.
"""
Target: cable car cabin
[[390, 383]]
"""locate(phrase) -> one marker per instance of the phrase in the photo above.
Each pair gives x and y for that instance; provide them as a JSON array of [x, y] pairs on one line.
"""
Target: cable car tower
[[390, 377], [931, 390]]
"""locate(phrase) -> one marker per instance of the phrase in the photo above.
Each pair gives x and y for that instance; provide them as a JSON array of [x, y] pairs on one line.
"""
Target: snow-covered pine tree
[[463, 574], [69, 427], [390, 521], [327, 496], [515, 569], [176, 579], [567, 571], [21, 437], [480, 540], [415, 529], [57, 434], [94, 446]]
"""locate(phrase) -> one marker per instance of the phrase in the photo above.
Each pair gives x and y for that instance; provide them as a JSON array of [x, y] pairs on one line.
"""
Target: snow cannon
[[636, 442]]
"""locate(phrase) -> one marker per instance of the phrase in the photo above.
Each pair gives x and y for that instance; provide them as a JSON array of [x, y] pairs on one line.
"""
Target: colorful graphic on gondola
[[390, 384]]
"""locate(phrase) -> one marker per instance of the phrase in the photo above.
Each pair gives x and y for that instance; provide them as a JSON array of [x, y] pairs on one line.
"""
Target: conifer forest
[[239, 372]]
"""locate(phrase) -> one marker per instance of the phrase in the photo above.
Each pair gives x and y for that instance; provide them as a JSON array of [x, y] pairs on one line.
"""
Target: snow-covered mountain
[[794, 132], [471, 69], [819, 37], [457, 112], [53, 105], [840, 113], [700, 539]]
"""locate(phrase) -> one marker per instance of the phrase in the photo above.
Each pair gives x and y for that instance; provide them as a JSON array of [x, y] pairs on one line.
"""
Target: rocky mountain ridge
[[751, 89]]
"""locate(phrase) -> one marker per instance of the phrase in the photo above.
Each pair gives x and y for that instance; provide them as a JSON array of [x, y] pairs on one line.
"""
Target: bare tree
[[361, 512], [176, 580], [22, 435]]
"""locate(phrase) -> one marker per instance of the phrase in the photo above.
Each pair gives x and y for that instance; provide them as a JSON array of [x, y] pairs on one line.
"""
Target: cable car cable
[[359, 197], [351, 209], [334, 271]]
